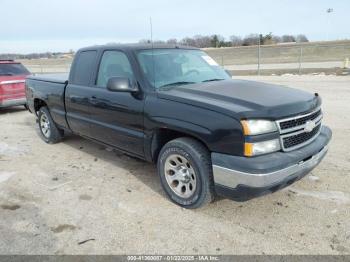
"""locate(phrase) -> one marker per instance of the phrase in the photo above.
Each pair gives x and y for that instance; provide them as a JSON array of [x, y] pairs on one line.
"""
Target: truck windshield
[[178, 67], [13, 69]]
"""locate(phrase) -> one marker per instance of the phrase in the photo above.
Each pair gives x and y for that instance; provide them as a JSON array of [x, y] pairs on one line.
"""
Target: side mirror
[[121, 84]]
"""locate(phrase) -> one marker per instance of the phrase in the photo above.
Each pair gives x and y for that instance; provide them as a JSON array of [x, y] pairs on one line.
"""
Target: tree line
[[217, 41], [200, 41], [45, 55]]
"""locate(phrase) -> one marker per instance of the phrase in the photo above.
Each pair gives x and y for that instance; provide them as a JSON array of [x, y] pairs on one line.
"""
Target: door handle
[[93, 100]]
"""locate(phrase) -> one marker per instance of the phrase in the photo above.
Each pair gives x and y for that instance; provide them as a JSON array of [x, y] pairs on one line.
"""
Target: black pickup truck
[[174, 106]]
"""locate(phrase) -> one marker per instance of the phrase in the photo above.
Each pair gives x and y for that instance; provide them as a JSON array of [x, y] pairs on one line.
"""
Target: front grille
[[299, 121], [294, 133], [299, 139]]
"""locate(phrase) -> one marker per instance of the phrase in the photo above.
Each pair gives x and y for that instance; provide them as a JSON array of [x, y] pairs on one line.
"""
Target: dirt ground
[[77, 197]]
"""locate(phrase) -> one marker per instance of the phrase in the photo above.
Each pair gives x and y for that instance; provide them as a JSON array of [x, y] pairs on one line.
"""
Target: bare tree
[[302, 38], [217, 41], [236, 40], [276, 39], [188, 41], [144, 41], [172, 41], [288, 38], [252, 39], [159, 42], [266, 39], [202, 41]]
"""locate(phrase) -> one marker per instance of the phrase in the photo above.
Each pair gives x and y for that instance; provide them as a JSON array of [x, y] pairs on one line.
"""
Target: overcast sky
[[60, 25]]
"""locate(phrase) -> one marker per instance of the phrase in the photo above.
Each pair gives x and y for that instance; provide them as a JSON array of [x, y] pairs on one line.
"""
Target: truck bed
[[53, 78], [49, 88]]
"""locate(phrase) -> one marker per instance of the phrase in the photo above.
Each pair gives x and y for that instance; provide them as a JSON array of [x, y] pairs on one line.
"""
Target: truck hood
[[244, 99]]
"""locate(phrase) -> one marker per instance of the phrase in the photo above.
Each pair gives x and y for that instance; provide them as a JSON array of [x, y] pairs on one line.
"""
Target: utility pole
[[151, 29], [300, 58], [329, 11], [259, 53]]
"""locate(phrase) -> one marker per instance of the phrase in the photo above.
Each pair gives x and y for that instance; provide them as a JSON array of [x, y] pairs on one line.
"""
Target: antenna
[[151, 27], [153, 62]]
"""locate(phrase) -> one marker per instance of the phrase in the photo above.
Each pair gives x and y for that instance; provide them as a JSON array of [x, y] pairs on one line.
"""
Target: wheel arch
[[161, 136], [38, 103]]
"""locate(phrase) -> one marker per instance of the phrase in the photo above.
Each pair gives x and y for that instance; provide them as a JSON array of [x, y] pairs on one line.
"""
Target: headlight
[[259, 148], [257, 126]]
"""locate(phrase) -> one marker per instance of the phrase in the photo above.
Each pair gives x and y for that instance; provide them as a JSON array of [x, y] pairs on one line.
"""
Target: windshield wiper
[[214, 79], [178, 83]]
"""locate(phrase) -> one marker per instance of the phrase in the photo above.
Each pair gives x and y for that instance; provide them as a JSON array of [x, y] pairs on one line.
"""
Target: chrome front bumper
[[232, 178], [242, 178]]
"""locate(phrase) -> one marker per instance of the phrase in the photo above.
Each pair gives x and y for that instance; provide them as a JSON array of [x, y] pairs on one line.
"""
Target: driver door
[[116, 117]]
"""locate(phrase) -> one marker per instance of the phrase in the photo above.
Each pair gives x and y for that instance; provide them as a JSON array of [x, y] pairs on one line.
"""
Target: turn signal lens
[[246, 130], [248, 149], [260, 148]]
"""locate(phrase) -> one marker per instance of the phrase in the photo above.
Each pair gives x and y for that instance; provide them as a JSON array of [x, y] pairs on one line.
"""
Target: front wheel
[[47, 127], [185, 171]]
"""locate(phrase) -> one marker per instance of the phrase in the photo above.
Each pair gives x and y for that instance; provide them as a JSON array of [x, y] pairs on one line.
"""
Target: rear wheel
[[185, 171], [49, 132]]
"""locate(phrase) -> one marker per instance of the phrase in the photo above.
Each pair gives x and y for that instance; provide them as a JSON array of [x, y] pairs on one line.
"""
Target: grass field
[[57, 65], [287, 53]]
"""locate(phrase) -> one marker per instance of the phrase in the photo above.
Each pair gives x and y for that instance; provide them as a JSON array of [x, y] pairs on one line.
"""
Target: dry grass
[[54, 65], [289, 53]]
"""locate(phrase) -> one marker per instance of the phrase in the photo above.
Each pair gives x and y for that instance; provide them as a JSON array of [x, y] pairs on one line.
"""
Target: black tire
[[199, 161], [54, 135]]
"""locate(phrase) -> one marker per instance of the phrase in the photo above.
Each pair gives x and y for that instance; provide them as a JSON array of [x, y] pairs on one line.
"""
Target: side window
[[113, 63], [84, 67]]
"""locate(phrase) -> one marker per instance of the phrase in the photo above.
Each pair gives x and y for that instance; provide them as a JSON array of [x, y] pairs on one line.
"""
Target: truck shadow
[[142, 170], [147, 174]]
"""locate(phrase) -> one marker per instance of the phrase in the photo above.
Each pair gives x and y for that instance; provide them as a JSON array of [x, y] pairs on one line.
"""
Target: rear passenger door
[[116, 117], [78, 92]]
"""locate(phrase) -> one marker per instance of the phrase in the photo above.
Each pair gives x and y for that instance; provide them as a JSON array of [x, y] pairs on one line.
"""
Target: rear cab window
[[84, 68], [12, 69]]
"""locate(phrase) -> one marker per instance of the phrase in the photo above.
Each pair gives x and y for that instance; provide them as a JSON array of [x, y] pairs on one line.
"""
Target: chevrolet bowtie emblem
[[309, 126]]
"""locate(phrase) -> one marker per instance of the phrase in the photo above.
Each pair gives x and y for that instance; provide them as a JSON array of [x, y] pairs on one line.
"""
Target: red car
[[12, 78]]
